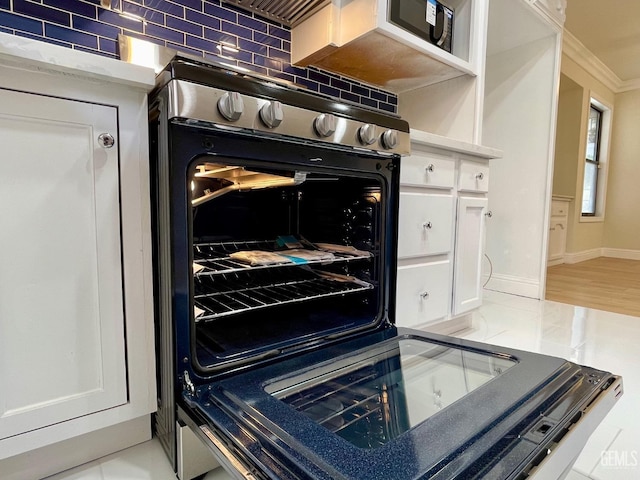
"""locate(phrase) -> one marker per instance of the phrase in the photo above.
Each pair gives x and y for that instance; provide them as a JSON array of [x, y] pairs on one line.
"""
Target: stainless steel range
[[275, 256]]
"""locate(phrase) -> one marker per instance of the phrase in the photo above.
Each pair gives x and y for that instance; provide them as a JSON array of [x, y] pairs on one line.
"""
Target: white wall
[[519, 119]]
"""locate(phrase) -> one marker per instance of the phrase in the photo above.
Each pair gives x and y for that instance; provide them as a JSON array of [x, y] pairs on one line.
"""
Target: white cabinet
[[358, 38], [77, 364], [469, 253], [558, 223], [426, 221], [61, 305], [443, 209]]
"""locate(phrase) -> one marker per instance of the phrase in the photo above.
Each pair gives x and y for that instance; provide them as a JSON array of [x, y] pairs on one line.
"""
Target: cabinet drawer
[[425, 224], [422, 170], [474, 177], [423, 293], [559, 209]]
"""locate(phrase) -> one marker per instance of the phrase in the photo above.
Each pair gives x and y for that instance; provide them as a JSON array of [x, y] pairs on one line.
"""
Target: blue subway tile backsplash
[[207, 28]]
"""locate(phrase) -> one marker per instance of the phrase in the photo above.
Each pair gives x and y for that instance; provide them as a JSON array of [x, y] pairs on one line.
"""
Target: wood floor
[[610, 284]]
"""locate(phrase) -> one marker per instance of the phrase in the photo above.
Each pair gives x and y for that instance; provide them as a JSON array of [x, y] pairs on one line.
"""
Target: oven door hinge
[[188, 384]]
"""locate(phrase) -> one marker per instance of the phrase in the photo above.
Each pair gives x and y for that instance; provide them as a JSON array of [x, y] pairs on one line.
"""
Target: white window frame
[[603, 159]]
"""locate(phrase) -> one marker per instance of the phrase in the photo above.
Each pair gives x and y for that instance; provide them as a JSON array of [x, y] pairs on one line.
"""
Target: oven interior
[[281, 257]]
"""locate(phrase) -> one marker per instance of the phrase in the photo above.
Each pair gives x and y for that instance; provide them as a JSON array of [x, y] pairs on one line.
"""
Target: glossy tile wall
[[206, 28]]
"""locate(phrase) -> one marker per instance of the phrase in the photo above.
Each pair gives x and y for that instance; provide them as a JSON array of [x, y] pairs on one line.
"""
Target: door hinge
[[188, 384]]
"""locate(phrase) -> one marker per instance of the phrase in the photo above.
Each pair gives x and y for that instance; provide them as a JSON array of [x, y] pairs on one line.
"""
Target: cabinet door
[[469, 251], [557, 238], [61, 304], [423, 293], [425, 224]]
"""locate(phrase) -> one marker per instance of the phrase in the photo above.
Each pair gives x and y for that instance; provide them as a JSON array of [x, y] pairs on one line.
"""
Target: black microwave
[[430, 20]]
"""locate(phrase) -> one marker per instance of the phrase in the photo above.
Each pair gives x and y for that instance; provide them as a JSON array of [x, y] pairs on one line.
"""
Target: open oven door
[[403, 404]]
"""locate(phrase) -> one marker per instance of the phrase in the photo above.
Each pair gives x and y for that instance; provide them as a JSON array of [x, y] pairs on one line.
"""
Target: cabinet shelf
[[216, 259], [219, 296]]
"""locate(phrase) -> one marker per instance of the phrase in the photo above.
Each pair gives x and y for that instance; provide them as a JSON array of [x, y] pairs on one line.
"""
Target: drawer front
[[474, 177], [423, 293], [422, 170], [559, 209], [425, 224]]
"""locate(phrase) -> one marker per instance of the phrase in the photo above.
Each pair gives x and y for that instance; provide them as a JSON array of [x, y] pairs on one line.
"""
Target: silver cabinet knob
[[106, 140], [325, 125], [271, 114], [430, 168], [367, 134], [489, 214], [424, 295], [389, 139], [427, 225], [231, 106], [480, 176]]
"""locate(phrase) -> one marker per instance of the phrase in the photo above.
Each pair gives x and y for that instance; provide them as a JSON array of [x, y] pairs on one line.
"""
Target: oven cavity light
[[193, 185]]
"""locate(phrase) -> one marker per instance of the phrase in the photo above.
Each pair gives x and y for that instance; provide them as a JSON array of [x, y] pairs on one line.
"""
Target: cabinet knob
[[427, 225], [479, 176], [424, 295], [430, 168], [489, 214], [106, 140]]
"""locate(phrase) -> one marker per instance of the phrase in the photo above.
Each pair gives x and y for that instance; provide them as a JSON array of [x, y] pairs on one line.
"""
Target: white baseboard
[[621, 253], [582, 256], [75, 451], [524, 287], [555, 261]]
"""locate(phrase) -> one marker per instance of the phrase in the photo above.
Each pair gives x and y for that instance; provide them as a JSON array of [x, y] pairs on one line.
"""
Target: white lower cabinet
[[426, 221], [61, 304], [558, 224], [443, 209], [469, 253], [423, 293], [77, 363]]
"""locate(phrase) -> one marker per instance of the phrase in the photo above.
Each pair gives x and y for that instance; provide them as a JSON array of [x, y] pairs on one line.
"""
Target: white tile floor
[[603, 340]]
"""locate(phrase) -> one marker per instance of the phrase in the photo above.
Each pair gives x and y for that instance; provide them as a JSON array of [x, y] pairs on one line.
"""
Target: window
[[590, 185], [596, 161]]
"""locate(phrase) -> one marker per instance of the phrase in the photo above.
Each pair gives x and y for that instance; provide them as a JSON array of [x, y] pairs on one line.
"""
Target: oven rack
[[232, 296], [215, 259]]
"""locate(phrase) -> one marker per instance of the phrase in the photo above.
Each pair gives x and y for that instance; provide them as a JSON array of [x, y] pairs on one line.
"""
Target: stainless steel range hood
[[287, 12]]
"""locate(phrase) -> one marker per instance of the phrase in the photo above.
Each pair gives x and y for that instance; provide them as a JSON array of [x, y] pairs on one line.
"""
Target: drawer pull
[[489, 214], [479, 176], [430, 168], [427, 225], [424, 295]]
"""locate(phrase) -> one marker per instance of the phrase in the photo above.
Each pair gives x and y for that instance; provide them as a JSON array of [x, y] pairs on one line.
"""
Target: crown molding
[[576, 51], [628, 85], [580, 54]]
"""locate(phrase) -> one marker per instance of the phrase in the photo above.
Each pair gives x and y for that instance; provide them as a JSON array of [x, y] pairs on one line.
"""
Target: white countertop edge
[[563, 198], [451, 144], [48, 58]]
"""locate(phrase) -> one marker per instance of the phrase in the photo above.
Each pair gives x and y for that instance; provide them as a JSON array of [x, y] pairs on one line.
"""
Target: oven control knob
[[367, 134], [325, 125], [271, 114], [389, 139], [231, 106]]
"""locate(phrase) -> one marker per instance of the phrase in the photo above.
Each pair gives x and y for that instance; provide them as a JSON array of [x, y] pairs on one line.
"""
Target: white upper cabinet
[[359, 39]]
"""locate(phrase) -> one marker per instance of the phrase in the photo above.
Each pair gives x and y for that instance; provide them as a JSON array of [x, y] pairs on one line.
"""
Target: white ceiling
[[610, 29]]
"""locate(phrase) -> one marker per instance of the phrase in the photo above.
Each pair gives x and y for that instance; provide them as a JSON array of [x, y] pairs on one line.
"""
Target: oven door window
[[375, 400]]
